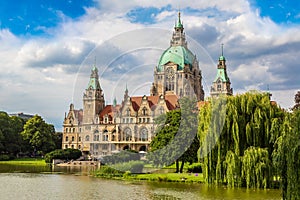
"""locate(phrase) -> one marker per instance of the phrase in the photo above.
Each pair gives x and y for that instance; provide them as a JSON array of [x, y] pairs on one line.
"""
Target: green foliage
[[175, 138], [134, 167], [256, 167], [64, 154], [11, 141], [121, 157], [236, 135], [5, 157], [39, 134], [195, 168], [286, 156]]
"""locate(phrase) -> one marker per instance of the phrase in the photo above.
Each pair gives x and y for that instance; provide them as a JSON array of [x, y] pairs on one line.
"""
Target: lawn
[[170, 177], [26, 161]]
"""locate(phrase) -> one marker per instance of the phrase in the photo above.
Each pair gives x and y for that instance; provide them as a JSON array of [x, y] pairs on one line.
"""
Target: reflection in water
[[65, 186]]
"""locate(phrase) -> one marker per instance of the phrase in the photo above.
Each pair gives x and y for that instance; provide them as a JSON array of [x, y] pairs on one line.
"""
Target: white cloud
[[40, 72]]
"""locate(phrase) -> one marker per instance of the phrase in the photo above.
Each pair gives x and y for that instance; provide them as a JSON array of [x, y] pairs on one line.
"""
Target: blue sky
[[47, 47]]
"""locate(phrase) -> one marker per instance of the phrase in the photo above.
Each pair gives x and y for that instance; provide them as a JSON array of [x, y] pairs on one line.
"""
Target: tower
[[221, 84], [177, 71], [93, 98]]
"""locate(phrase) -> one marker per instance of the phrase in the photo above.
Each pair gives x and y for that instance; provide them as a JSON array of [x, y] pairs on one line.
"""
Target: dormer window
[[128, 112], [144, 111]]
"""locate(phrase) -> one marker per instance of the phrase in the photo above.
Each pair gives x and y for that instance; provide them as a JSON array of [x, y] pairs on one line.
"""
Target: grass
[[170, 177], [26, 161]]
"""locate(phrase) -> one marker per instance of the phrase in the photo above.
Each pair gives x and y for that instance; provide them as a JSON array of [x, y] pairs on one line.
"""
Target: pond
[[71, 184]]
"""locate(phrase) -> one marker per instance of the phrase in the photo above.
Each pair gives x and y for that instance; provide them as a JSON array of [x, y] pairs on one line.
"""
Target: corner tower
[[93, 98], [221, 84], [178, 71]]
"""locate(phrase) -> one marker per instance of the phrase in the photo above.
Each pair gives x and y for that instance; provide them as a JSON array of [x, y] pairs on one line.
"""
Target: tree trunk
[[181, 167], [177, 166]]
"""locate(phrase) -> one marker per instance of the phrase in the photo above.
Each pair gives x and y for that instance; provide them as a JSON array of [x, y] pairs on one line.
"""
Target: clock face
[[170, 74]]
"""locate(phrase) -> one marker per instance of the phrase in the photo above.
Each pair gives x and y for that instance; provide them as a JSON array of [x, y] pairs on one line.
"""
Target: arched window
[[127, 134], [73, 138], [87, 138], [105, 135], [73, 130], [79, 139], [128, 112], [144, 134], [79, 146], [113, 136], [219, 85], [67, 138], [67, 130]]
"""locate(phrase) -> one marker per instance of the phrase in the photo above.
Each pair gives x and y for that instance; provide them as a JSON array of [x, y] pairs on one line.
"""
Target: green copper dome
[[222, 58], [178, 55]]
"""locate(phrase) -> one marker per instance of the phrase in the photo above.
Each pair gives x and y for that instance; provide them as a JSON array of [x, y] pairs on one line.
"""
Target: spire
[[115, 102], [222, 53], [94, 79], [178, 37], [179, 24], [126, 93]]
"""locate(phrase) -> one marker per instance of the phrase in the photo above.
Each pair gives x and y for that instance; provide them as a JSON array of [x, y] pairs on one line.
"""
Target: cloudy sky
[[47, 48]]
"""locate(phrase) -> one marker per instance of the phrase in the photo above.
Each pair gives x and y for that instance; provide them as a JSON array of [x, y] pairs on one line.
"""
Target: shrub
[[4, 157], [195, 168], [123, 156], [64, 154], [134, 167]]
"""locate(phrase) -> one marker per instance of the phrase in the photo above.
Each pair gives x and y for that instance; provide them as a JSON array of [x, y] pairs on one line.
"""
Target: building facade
[[100, 129]]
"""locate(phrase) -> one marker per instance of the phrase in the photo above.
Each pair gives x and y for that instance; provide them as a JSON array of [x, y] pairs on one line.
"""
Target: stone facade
[[100, 129]]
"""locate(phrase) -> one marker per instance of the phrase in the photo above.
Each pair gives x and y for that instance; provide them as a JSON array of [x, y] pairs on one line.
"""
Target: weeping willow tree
[[233, 130], [286, 156]]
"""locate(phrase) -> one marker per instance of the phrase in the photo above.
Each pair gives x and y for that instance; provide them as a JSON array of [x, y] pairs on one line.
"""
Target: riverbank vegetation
[[21, 138], [26, 161]]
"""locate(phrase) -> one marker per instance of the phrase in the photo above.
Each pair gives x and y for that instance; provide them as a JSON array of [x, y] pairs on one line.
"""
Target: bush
[[64, 154], [195, 168], [4, 157], [134, 167], [123, 156]]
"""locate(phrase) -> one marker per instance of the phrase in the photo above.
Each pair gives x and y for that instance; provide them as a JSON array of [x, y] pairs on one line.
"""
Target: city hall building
[[98, 129]]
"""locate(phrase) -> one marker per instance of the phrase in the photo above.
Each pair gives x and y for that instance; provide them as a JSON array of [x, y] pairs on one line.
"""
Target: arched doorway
[[126, 147], [143, 148]]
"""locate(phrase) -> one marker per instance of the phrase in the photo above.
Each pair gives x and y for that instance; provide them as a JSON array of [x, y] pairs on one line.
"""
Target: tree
[[175, 138], [297, 101], [11, 141], [248, 129], [39, 134], [286, 156]]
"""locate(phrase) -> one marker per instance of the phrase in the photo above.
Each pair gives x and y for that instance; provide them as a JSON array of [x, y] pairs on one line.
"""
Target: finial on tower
[[222, 52], [179, 24], [222, 48]]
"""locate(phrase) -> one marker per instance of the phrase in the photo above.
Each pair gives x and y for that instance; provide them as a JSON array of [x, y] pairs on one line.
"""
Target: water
[[69, 186]]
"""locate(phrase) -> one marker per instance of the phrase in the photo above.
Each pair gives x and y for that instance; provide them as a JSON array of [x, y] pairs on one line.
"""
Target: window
[[66, 146], [67, 138], [67, 130], [72, 146], [104, 146], [128, 112], [144, 111], [144, 134], [128, 135], [79, 139], [79, 146], [73, 138], [105, 135], [161, 110], [73, 130], [87, 138]]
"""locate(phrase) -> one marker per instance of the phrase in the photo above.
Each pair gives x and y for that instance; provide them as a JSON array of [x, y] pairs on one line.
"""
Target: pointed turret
[[221, 84], [178, 37], [93, 98]]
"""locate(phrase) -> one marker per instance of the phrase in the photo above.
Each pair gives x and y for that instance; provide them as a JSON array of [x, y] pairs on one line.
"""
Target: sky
[[47, 48]]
